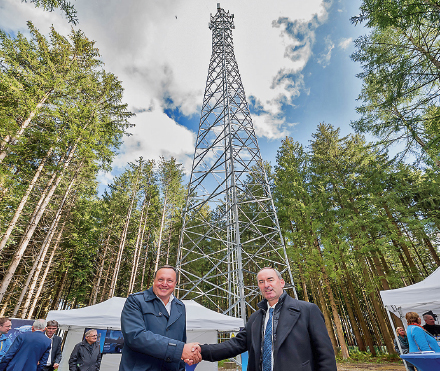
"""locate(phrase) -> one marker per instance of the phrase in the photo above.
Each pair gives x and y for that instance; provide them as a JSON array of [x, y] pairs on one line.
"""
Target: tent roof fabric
[[420, 297], [108, 315]]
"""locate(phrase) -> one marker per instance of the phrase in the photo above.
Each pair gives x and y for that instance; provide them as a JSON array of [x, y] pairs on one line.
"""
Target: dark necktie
[[267, 345]]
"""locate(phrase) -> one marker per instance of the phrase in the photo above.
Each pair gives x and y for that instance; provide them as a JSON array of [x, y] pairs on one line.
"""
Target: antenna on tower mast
[[230, 228]]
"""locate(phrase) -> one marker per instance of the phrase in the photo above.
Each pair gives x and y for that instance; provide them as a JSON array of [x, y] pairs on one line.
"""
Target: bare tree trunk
[[168, 247], [49, 264], [57, 298], [46, 244], [138, 244], [405, 249], [359, 313], [9, 139], [32, 226], [327, 320], [23, 201], [123, 238], [339, 331], [162, 226], [95, 289], [145, 261]]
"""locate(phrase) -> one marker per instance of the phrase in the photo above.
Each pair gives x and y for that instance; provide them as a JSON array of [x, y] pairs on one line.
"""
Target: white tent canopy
[[420, 298], [202, 325], [107, 315]]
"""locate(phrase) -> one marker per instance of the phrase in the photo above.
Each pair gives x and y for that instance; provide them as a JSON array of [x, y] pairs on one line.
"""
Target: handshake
[[191, 353]]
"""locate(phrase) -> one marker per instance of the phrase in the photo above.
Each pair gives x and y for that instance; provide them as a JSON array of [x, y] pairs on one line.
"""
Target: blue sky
[[293, 56]]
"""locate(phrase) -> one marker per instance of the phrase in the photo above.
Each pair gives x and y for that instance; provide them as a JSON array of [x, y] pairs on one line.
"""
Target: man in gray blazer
[[284, 334], [54, 358]]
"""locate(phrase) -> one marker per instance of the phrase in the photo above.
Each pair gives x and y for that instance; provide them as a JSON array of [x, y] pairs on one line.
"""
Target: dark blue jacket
[[301, 342], [26, 351], [153, 340]]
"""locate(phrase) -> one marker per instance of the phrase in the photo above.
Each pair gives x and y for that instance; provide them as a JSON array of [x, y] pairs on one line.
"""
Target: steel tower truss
[[230, 227]]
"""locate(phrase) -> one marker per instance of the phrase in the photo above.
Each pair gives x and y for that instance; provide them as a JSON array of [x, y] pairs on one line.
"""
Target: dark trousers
[[47, 368]]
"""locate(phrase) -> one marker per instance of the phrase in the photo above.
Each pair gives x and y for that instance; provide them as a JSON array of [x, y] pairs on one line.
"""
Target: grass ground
[[370, 367], [359, 367]]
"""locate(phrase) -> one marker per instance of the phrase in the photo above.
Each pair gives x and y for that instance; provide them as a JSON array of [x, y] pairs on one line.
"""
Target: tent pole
[[395, 336]]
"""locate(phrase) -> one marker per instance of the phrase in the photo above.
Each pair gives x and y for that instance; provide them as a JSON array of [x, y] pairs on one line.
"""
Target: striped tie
[[267, 345]]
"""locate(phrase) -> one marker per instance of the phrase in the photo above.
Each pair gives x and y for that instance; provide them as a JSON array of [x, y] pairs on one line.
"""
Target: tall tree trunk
[[32, 226], [46, 243], [327, 320], [145, 261], [402, 244], [138, 244], [46, 271], [23, 201], [56, 301], [124, 236], [359, 313], [162, 226], [97, 283], [353, 322], [339, 331]]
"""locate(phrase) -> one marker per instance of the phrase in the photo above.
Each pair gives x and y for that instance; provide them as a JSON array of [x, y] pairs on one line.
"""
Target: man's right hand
[[191, 353]]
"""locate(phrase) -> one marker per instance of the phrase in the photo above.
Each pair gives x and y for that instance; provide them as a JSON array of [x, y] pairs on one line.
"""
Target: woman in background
[[419, 339], [403, 340]]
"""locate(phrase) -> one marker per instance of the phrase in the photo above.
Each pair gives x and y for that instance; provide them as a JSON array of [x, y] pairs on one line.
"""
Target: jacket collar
[[149, 295], [177, 307]]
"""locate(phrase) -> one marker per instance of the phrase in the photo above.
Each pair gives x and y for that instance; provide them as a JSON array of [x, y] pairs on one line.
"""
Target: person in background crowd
[[403, 340], [430, 325], [419, 339], [86, 356], [54, 358], [29, 351], [5, 341]]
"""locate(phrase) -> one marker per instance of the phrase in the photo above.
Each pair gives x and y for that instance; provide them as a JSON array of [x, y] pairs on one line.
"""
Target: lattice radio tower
[[230, 227]]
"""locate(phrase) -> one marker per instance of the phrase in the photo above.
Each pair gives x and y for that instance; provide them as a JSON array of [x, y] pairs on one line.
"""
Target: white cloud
[[161, 50], [155, 135], [324, 57], [345, 43]]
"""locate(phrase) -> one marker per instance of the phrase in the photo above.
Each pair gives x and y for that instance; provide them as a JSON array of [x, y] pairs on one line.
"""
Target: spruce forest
[[355, 219]]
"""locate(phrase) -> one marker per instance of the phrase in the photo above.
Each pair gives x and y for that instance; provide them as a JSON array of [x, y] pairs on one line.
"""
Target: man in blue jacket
[[29, 351], [153, 323]]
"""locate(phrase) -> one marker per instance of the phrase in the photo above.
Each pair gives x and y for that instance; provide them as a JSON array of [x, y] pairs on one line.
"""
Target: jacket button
[[168, 359]]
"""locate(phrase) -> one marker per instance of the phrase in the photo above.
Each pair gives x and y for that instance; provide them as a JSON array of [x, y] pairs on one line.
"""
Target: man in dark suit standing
[[29, 351], [284, 334], [54, 359]]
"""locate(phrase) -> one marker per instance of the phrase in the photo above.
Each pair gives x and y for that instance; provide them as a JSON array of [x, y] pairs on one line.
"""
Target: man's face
[[401, 332], [92, 337], [51, 330], [429, 320], [164, 283], [5, 327], [270, 285]]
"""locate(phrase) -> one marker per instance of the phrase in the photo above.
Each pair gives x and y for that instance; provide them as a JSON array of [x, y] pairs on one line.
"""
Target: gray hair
[[426, 315], [89, 332], [39, 324], [277, 272]]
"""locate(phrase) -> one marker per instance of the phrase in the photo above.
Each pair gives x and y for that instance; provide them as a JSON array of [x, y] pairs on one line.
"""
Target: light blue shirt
[[420, 340]]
